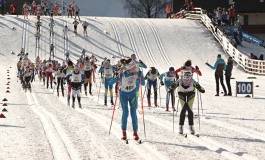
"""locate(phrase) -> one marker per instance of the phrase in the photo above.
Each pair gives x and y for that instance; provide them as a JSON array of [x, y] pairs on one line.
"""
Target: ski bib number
[[76, 78], [108, 72], [128, 83]]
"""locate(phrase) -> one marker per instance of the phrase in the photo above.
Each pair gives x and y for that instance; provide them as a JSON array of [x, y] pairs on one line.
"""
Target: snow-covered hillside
[[39, 125]]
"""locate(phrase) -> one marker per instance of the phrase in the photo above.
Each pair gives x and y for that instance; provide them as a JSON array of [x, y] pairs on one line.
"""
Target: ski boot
[[135, 135], [149, 103], [73, 105], [105, 103], [192, 131], [124, 136], [63, 94], [180, 129], [58, 94], [174, 109], [90, 93], [80, 106], [111, 101], [155, 103], [167, 108], [86, 93]]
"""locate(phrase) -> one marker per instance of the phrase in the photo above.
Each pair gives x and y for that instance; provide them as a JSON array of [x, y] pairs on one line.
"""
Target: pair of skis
[[186, 135], [136, 141]]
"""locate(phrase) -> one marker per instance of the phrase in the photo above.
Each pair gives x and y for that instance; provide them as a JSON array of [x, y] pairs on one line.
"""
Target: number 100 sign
[[244, 88]]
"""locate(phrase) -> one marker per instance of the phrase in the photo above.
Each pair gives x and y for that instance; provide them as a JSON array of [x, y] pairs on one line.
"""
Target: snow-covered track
[[117, 36], [60, 144], [159, 43], [146, 43]]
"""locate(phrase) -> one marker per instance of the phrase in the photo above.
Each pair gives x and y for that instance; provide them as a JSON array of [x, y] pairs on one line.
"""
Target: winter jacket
[[229, 68], [219, 66]]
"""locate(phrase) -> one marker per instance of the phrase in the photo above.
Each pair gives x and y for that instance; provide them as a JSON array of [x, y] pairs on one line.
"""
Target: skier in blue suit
[[128, 94]]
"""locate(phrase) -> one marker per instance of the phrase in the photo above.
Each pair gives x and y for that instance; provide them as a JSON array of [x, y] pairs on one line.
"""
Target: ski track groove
[[99, 118], [131, 38], [103, 151], [58, 149], [226, 151], [146, 43], [145, 150], [241, 130], [117, 36], [159, 43]]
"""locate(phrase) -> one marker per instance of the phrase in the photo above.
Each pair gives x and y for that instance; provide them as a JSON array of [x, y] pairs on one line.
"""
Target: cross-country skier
[[27, 76], [52, 50], [85, 24], [167, 79], [38, 25], [186, 92], [77, 79], [128, 94], [89, 73], [60, 79], [51, 25], [152, 76], [67, 71], [139, 63], [187, 67], [49, 70], [108, 71], [219, 67], [75, 26]]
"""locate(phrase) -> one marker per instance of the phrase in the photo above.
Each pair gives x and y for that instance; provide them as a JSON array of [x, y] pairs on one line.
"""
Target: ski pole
[[99, 89], [144, 91], [173, 121], [160, 95], [198, 110], [113, 112], [200, 94], [142, 102]]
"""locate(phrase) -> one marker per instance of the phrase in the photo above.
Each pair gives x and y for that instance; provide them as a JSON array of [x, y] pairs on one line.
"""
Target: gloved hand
[[207, 64], [196, 67], [140, 61], [162, 83], [169, 90], [182, 68]]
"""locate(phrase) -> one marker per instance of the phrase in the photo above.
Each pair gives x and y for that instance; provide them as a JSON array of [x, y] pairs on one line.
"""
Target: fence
[[249, 65]]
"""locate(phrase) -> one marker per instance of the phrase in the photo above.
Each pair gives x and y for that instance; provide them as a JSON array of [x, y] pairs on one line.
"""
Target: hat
[[130, 65], [171, 69], [188, 63], [230, 59], [76, 67], [219, 56]]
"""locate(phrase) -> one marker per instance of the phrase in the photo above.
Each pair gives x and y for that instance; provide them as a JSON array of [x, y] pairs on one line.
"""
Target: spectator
[[252, 56], [70, 11], [34, 7], [219, 67], [192, 5], [13, 9], [168, 11], [228, 74], [261, 57], [225, 17], [219, 16], [232, 16]]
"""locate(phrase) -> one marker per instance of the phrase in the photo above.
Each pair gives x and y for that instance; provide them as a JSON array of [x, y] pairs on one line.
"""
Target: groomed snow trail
[[231, 128]]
